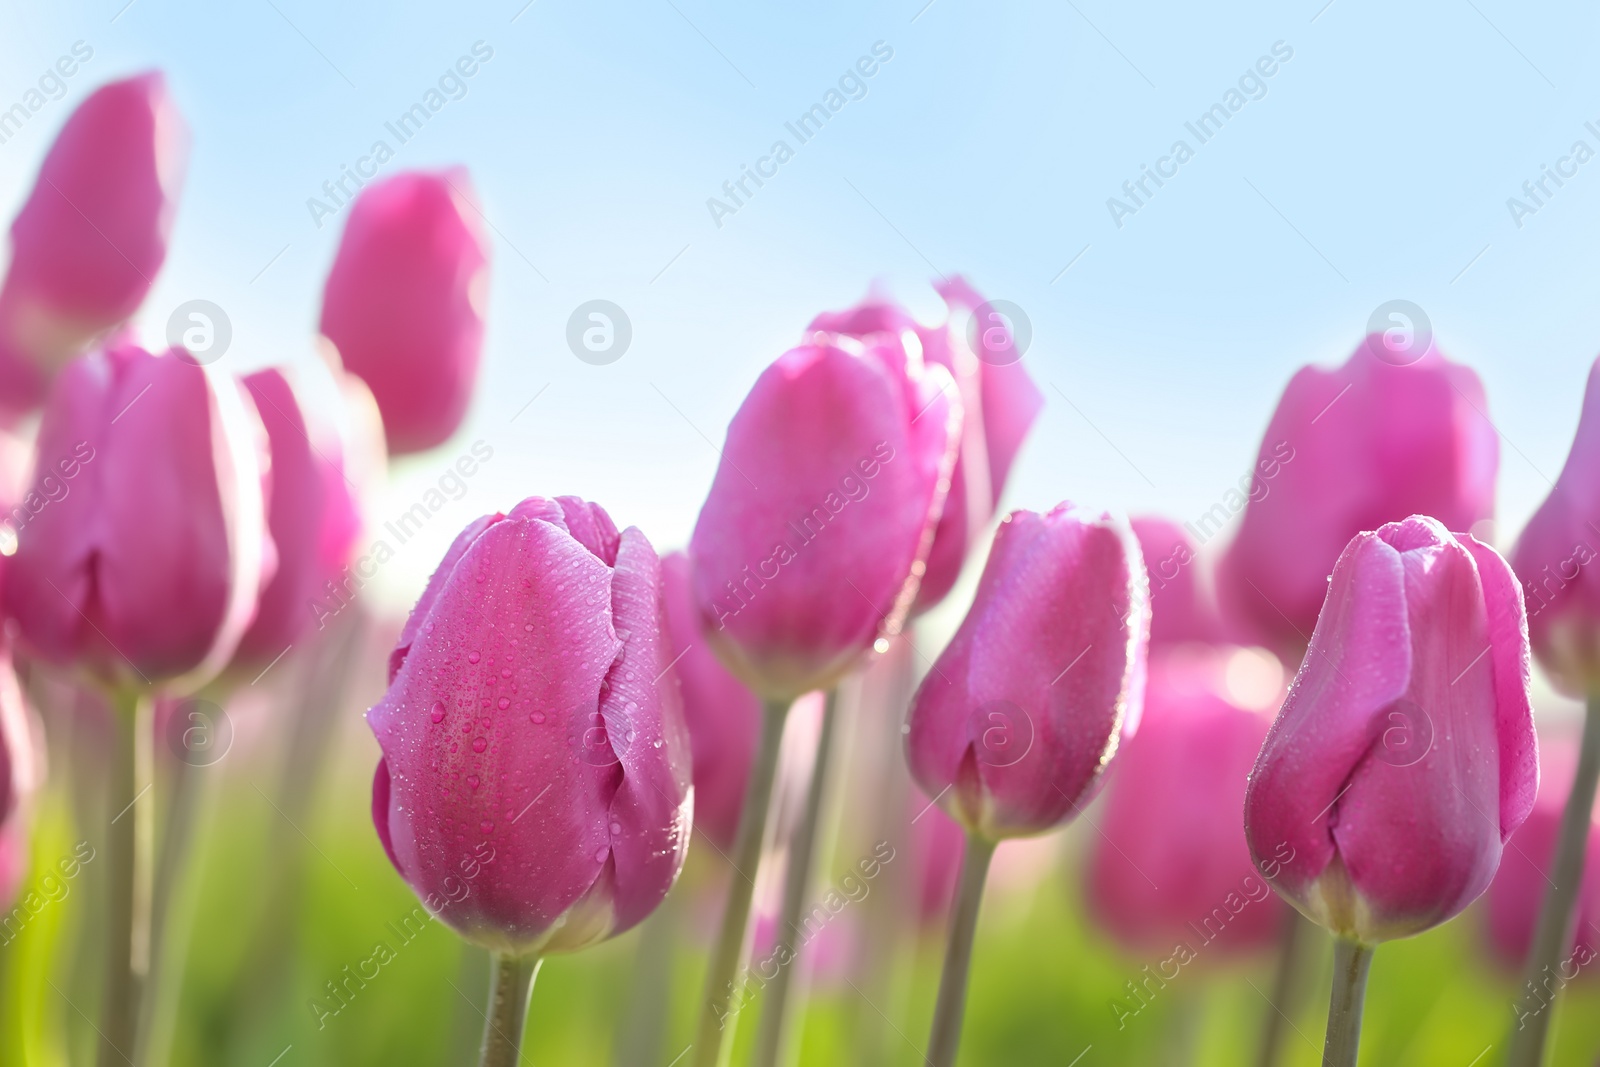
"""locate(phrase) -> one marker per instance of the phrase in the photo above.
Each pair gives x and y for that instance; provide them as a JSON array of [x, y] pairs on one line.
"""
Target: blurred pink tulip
[[812, 540], [534, 787], [1553, 558], [1027, 705], [1404, 756], [404, 302], [1170, 862], [21, 770], [312, 515], [1349, 450], [936, 844], [145, 557], [999, 405], [723, 716], [89, 241], [1181, 608], [1518, 890]]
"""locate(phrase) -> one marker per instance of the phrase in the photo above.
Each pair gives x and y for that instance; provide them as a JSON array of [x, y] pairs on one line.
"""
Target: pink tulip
[[1553, 558], [312, 515], [811, 543], [534, 787], [1181, 608], [1170, 863], [723, 716], [21, 770], [145, 557], [93, 233], [1518, 890], [999, 405], [1043, 681], [404, 302], [1404, 756], [1349, 450]]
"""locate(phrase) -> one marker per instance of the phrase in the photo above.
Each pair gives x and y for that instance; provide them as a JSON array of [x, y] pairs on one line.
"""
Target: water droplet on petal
[[486, 826], [479, 744], [437, 715], [600, 855], [473, 657], [505, 702], [537, 717], [472, 781]]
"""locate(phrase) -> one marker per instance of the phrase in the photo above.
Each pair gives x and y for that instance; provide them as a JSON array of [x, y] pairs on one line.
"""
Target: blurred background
[[1375, 165]]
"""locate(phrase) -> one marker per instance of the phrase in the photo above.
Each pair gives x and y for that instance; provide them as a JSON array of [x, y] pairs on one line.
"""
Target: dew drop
[[505, 672], [505, 702], [472, 781], [616, 828], [479, 744], [600, 855], [486, 826], [437, 715], [537, 717], [473, 657]]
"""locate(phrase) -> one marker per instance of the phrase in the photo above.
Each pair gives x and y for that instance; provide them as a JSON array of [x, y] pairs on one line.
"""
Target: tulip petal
[[436, 583]]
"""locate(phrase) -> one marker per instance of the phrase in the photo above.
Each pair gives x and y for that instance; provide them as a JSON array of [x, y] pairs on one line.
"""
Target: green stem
[[725, 978], [1294, 940], [1351, 960], [119, 1009], [169, 926], [510, 989], [951, 1006], [796, 879], [1558, 917]]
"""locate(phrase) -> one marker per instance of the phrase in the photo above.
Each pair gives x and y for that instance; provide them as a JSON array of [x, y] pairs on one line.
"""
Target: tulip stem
[[1292, 944], [1351, 960], [725, 978], [1558, 917], [796, 879], [510, 990], [119, 1009], [951, 1006]]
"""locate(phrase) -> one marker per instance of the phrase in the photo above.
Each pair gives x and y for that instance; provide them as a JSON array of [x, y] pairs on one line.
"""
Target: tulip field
[[844, 663]]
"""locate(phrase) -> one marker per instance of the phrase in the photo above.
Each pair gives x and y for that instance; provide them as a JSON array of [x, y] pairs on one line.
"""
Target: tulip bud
[[1404, 756], [1170, 863], [1349, 450], [145, 557], [1517, 893], [811, 543], [534, 787], [999, 403], [404, 302], [312, 515], [724, 717], [1181, 608], [1027, 705], [21, 771], [1553, 558], [93, 234]]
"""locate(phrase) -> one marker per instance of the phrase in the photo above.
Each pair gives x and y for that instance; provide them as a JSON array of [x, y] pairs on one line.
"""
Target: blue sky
[[1376, 165]]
